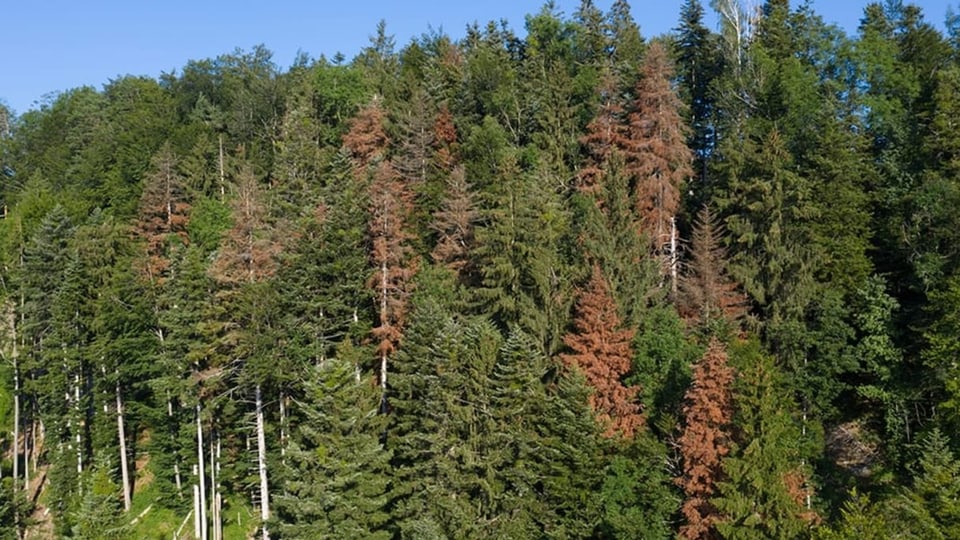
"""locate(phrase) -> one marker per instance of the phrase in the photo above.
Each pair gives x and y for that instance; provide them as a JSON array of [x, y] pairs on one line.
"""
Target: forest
[[571, 282]]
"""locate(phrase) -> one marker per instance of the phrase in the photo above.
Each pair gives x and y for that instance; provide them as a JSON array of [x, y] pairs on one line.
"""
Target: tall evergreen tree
[[762, 494], [336, 467], [698, 66]]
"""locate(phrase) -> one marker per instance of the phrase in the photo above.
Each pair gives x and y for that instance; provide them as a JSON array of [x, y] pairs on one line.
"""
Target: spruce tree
[[657, 157], [455, 222], [698, 66], [935, 494], [706, 440], [762, 493], [440, 421], [336, 469], [602, 353], [707, 292], [163, 213]]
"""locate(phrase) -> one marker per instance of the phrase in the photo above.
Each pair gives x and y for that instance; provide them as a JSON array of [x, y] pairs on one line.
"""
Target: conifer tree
[[625, 40], [707, 292], [367, 140], [858, 519], [99, 515], [246, 259], [638, 497], [607, 231], [605, 135], [247, 252], [706, 439], [602, 352], [181, 303], [930, 507], [125, 348], [163, 212], [548, 91], [454, 223], [542, 436], [943, 347], [392, 260], [297, 169], [657, 155], [335, 469], [391, 255], [440, 420], [698, 66], [762, 493], [523, 279], [323, 277], [67, 418]]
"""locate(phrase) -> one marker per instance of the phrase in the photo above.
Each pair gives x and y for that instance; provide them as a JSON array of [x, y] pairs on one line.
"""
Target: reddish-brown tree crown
[[601, 350], [706, 439]]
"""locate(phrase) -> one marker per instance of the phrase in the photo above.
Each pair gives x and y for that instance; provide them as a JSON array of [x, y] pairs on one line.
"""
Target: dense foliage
[[572, 283]]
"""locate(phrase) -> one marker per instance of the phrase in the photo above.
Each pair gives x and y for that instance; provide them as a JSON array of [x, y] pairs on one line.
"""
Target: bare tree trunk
[[15, 354], [121, 435], [201, 479], [27, 433], [16, 421], [77, 437], [673, 255], [214, 477], [217, 497], [176, 461], [283, 428], [222, 188], [197, 526], [262, 466]]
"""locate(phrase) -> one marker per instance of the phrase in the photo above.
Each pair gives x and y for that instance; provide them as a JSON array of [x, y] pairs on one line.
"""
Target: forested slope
[[577, 284]]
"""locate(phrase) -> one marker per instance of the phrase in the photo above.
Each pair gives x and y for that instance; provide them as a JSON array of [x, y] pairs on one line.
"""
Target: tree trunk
[[27, 430], [16, 421], [283, 429], [197, 527], [77, 437], [122, 437], [674, 263], [201, 479], [262, 466], [176, 461], [223, 189], [217, 497]]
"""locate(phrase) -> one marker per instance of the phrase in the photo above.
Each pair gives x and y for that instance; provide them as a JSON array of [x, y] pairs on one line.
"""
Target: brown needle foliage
[[705, 440], [602, 351]]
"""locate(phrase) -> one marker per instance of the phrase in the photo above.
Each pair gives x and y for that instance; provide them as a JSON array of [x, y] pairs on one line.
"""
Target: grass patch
[[159, 522]]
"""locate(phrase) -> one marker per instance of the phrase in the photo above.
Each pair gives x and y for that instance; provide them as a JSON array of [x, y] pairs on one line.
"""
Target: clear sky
[[54, 45]]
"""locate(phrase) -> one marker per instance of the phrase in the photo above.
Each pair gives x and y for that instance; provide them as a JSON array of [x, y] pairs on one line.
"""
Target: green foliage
[[761, 496], [943, 348], [8, 529], [99, 515], [858, 519], [337, 468], [930, 508], [662, 360], [832, 161], [637, 498], [209, 219], [523, 278]]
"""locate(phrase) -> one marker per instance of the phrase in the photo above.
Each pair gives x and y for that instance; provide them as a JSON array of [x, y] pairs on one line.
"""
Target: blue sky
[[55, 45]]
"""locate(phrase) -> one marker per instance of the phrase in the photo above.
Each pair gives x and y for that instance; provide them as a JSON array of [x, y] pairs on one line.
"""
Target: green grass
[[162, 523]]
